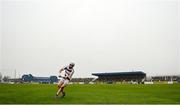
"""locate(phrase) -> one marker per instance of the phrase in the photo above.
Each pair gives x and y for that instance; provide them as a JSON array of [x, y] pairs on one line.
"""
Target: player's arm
[[61, 70]]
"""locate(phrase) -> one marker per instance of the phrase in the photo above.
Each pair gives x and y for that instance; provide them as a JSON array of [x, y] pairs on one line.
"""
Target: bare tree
[[0, 77], [6, 78]]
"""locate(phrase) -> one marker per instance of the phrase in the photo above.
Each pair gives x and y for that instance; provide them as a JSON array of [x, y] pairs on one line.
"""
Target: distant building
[[30, 78], [81, 80], [136, 76], [166, 78], [15, 80]]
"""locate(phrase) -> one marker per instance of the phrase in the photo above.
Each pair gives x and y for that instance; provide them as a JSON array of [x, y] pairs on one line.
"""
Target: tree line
[[4, 78]]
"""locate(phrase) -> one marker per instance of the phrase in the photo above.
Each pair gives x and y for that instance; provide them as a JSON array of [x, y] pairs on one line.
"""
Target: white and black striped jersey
[[68, 72]]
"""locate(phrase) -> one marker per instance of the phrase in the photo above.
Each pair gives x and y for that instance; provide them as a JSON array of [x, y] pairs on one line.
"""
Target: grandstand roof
[[119, 73]]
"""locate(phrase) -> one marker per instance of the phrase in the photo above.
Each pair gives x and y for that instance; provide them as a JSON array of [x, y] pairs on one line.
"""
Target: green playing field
[[90, 94]]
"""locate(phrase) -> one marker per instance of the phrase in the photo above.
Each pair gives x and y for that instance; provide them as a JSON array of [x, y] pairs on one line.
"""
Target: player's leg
[[62, 90], [63, 86], [60, 83], [59, 86]]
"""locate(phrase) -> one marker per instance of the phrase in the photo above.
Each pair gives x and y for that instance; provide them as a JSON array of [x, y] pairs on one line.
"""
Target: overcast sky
[[41, 36]]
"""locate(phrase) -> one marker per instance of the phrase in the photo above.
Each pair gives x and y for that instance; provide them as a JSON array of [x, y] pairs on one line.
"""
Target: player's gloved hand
[[66, 77]]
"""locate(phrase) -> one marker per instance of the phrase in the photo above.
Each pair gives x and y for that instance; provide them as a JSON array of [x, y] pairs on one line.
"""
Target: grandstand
[[136, 76]]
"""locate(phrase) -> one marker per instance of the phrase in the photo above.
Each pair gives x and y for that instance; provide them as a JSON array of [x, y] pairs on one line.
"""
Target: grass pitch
[[90, 94]]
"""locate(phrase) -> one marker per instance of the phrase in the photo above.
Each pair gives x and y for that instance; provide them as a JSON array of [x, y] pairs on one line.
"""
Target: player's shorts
[[64, 81]]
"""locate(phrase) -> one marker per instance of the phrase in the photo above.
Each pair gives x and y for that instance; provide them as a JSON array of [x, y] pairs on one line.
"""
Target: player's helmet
[[72, 64]]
